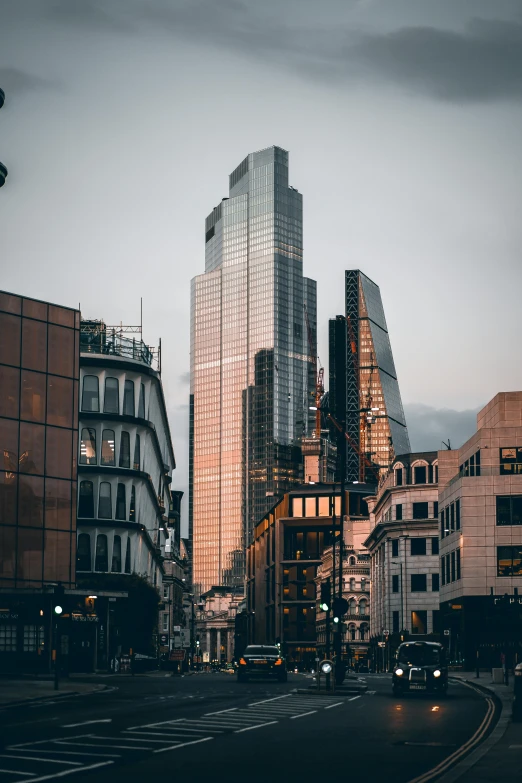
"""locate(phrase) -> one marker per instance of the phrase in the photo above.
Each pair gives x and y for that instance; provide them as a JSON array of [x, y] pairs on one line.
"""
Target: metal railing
[[113, 344]]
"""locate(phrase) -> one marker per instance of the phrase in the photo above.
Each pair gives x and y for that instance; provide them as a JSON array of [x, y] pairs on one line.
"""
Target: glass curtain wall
[[250, 379]]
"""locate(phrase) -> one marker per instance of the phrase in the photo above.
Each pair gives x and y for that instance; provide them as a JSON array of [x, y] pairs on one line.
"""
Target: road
[[207, 727]]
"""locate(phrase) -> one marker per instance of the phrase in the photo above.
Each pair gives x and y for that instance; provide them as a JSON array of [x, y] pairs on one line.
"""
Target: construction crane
[[318, 375]]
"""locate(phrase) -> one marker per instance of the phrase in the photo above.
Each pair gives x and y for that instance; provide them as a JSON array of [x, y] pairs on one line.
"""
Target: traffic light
[[58, 597], [326, 596], [340, 607]]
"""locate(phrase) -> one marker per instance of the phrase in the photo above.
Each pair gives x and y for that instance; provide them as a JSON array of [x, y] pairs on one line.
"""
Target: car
[[262, 660], [420, 666]]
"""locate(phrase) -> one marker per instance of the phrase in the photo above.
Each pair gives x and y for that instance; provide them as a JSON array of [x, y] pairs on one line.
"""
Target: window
[[443, 570], [363, 607], [324, 506], [86, 500], [7, 638], [141, 404], [108, 451], [442, 525], [447, 518], [128, 557], [457, 553], [448, 572], [83, 553], [398, 477], [418, 546], [125, 450], [434, 546], [111, 403], [510, 461], [435, 583], [90, 394], [132, 510], [395, 622], [419, 474], [395, 547], [101, 562], [352, 584], [418, 583], [136, 461], [509, 510], [116, 555], [395, 583], [310, 510], [121, 504], [452, 517], [364, 632], [352, 561], [435, 509], [398, 511], [297, 507], [165, 623], [128, 399], [453, 563], [430, 474], [105, 502], [88, 447], [420, 511], [457, 514], [419, 622]]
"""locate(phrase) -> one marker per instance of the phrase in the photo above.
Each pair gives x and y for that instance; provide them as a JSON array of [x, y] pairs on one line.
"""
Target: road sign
[[446, 632], [177, 655], [177, 628], [164, 639], [317, 658]]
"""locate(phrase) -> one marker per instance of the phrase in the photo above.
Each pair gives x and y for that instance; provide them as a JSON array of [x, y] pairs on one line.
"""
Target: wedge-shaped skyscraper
[[364, 391], [251, 379]]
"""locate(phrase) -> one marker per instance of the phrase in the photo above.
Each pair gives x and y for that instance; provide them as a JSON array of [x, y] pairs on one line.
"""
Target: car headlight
[[437, 673], [399, 672]]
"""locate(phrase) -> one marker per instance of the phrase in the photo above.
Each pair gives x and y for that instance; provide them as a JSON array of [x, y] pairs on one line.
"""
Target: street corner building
[[363, 387], [252, 383], [480, 528], [292, 551], [404, 556], [39, 373]]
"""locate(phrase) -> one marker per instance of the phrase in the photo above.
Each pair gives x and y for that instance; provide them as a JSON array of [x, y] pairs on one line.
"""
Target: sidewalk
[[499, 757], [16, 692]]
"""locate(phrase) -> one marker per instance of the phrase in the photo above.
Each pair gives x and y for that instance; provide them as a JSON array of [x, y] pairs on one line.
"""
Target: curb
[[56, 696]]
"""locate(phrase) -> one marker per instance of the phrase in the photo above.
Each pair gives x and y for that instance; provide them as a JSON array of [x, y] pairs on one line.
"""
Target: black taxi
[[420, 666], [261, 660]]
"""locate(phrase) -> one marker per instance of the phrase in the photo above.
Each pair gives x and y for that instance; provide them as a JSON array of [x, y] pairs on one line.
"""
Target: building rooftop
[[98, 338]]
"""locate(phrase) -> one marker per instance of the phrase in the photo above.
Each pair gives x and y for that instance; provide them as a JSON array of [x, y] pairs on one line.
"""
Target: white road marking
[[220, 712], [77, 753], [70, 772], [97, 745], [258, 726], [514, 747], [303, 714], [337, 704], [183, 745], [36, 758], [86, 723], [43, 742], [276, 698], [15, 772], [354, 697]]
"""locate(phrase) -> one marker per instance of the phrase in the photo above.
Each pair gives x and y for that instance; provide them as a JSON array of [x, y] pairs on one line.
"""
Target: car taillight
[[278, 662], [242, 662]]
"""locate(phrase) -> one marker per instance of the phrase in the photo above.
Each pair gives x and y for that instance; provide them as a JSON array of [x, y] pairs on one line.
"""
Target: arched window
[[398, 476], [111, 403], [128, 556], [101, 562], [90, 394], [363, 606], [136, 462], [105, 503], [125, 450], [352, 583], [420, 474], [121, 505], [351, 631], [86, 500], [128, 399], [83, 553], [132, 511], [116, 555], [352, 561], [141, 404], [88, 447], [363, 631], [352, 603], [107, 455]]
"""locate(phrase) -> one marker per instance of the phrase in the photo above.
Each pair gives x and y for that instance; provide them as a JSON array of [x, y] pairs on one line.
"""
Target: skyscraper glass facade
[[364, 390], [251, 384]]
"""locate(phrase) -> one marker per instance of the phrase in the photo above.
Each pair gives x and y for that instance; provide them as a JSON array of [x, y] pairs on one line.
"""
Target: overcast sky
[[403, 119]]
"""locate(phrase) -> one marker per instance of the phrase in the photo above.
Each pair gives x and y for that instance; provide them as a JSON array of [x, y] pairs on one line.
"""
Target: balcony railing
[[110, 343], [357, 617]]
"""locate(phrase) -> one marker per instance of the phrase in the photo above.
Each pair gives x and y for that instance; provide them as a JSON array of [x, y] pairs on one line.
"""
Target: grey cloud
[[13, 81], [429, 426], [94, 14]]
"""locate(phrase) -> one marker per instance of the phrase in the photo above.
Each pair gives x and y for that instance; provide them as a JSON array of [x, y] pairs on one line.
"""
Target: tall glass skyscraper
[[251, 378], [364, 390]]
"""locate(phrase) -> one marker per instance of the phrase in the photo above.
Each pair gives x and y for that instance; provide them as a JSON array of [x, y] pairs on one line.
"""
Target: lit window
[[88, 447], [108, 450]]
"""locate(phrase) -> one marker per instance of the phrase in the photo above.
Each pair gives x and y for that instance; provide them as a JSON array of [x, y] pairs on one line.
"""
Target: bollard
[[517, 692]]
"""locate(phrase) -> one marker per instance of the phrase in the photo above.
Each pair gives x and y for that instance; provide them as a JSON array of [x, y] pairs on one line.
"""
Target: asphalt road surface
[[208, 727]]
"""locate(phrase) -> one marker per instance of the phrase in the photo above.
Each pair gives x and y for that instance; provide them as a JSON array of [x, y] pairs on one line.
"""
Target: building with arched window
[[128, 518]]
